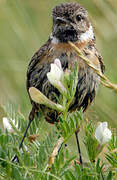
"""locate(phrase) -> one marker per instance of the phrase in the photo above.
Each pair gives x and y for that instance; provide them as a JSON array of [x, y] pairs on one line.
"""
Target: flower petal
[[107, 135], [58, 63], [104, 125], [102, 133], [6, 124], [55, 74], [98, 132]]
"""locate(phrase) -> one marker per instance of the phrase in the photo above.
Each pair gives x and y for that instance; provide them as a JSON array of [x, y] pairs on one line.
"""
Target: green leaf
[[69, 172], [78, 169], [110, 175], [112, 158], [67, 177], [16, 174]]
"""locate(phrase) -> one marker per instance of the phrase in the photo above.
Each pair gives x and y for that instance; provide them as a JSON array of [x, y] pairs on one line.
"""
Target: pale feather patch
[[54, 40], [87, 35]]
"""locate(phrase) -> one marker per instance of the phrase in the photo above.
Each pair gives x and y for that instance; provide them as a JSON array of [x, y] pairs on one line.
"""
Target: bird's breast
[[88, 80]]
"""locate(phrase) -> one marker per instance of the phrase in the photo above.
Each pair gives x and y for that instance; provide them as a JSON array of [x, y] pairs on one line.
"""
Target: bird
[[71, 23]]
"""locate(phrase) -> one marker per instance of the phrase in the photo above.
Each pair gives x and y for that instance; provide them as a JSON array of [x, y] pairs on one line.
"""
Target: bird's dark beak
[[61, 20]]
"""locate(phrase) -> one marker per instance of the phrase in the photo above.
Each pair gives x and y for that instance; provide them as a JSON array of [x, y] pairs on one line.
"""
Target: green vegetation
[[45, 155], [26, 25]]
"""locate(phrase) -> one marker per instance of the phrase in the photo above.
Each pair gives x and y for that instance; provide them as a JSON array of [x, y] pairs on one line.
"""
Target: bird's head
[[71, 23]]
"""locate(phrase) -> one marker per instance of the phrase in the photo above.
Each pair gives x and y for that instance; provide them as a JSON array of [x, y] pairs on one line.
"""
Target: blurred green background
[[26, 24]]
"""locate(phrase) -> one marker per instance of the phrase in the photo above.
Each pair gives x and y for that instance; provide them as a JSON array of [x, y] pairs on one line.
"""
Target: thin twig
[[55, 151], [106, 82]]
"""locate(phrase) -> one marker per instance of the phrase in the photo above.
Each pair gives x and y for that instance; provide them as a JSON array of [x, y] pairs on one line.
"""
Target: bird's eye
[[79, 17]]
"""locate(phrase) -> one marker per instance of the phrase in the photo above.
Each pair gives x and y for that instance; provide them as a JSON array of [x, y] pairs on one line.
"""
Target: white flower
[[102, 133], [56, 74], [7, 124]]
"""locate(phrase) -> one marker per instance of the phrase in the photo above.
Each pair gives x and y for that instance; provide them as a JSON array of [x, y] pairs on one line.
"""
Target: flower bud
[[102, 133], [7, 124], [56, 75]]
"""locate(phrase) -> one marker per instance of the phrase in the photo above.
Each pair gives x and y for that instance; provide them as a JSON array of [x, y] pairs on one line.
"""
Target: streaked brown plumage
[[87, 79], [70, 23], [40, 62]]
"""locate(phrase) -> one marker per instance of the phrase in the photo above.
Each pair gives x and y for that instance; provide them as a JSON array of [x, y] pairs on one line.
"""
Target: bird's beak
[[61, 20]]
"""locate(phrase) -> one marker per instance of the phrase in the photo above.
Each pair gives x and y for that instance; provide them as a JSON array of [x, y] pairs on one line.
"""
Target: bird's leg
[[31, 118], [78, 145]]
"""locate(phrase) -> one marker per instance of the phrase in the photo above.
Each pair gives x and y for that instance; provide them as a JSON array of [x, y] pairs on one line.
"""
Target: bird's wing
[[34, 67], [92, 51], [97, 53]]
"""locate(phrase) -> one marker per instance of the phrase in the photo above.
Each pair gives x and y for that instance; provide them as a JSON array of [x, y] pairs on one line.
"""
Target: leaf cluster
[[112, 155], [40, 144]]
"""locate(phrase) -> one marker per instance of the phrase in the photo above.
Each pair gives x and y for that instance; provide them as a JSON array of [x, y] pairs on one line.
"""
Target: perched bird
[[70, 23]]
